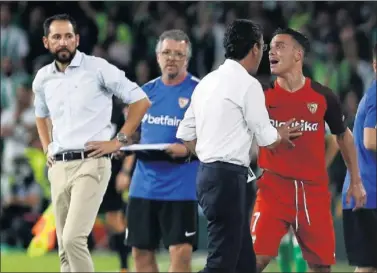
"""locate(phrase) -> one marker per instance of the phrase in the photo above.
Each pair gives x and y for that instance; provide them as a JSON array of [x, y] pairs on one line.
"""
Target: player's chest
[[173, 105], [285, 108]]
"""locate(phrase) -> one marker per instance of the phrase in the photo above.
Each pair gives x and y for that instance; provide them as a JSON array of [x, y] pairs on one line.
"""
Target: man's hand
[[123, 181], [357, 191], [50, 161], [287, 133], [177, 150], [100, 148]]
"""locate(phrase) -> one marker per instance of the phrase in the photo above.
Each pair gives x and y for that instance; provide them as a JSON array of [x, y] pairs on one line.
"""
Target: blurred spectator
[[24, 203], [114, 34], [14, 42], [329, 68], [35, 33], [11, 78], [99, 51], [142, 72], [204, 36], [350, 44], [17, 121], [322, 30]]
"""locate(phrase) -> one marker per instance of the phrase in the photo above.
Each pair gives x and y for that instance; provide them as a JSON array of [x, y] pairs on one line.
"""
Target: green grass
[[104, 262]]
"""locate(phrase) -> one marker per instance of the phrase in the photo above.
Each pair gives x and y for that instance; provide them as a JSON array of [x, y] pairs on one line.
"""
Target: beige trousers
[[77, 190]]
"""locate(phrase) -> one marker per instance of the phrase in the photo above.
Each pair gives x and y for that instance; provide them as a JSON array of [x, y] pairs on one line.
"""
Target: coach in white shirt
[[227, 109], [75, 93]]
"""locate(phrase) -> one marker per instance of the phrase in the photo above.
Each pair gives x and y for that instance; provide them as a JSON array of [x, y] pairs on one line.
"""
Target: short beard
[[172, 76], [67, 60]]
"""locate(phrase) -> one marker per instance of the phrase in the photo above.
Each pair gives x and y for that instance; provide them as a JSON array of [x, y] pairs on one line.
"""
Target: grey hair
[[176, 35]]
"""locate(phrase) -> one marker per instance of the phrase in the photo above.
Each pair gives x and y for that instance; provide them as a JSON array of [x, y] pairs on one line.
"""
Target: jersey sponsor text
[[306, 126]]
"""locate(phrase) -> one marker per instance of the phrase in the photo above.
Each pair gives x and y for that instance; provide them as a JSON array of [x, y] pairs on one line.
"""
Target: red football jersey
[[311, 106]]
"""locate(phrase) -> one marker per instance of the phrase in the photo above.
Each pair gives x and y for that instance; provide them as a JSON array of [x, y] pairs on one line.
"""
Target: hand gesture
[[287, 133], [100, 148], [357, 191], [177, 150]]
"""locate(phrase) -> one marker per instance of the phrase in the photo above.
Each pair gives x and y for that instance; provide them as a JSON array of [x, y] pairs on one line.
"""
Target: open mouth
[[273, 62]]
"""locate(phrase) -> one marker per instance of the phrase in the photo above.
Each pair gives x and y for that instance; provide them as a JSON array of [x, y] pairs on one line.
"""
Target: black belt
[[68, 156]]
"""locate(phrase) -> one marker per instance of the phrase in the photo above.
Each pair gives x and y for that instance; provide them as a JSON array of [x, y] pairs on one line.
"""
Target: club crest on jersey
[[183, 102], [312, 107]]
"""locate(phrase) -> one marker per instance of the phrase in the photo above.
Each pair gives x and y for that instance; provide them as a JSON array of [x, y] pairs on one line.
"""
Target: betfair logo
[[161, 120]]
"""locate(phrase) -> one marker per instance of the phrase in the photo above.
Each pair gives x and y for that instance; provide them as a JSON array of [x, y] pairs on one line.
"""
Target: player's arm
[[332, 148], [187, 129], [257, 118], [128, 163], [116, 83], [335, 119], [123, 180], [42, 114], [370, 135], [370, 123]]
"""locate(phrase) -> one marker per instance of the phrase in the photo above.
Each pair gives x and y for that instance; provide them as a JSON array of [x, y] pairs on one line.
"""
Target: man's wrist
[[118, 143], [188, 152], [355, 180], [122, 138]]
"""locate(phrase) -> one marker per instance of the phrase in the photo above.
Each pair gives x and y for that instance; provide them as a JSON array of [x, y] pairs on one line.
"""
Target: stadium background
[[125, 33]]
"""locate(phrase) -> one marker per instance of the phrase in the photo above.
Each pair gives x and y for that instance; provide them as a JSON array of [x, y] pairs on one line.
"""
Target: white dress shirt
[[79, 100], [227, 109]]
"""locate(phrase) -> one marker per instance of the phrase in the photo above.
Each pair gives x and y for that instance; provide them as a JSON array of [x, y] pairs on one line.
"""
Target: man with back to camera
[[360, 226], [162, 199], [293, 190], [227, 109], [75, 92]]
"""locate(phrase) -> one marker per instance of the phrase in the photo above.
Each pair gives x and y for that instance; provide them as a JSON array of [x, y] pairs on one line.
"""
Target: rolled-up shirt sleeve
[[256, 116], [187, 127], [115, 81], [40, 105]]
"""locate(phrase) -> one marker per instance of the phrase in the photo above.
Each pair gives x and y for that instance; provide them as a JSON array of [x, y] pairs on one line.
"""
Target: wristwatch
[[122, 138]]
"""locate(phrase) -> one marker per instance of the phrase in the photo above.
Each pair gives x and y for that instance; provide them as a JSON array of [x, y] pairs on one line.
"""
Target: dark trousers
[[224, 197]]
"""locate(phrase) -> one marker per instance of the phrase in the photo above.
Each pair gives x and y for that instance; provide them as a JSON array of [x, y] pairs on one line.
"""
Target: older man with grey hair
[[162, 203]]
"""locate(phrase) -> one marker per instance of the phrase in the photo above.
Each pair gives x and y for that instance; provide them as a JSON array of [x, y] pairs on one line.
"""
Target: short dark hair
[[300, 38], [375, 51], [240, 37], [58, 17]]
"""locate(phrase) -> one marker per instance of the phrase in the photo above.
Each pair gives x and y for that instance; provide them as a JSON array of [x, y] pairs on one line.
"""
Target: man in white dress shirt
[[227, 109], [75, 93]]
